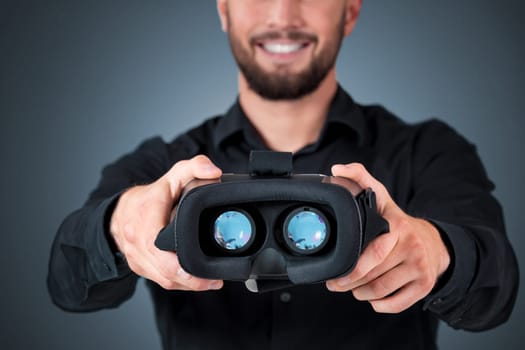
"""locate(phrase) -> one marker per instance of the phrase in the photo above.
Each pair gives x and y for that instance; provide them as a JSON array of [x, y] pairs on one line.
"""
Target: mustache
[[294, 35]]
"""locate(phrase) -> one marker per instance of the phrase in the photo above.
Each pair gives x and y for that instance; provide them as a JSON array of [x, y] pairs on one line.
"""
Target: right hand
[[140, 214]]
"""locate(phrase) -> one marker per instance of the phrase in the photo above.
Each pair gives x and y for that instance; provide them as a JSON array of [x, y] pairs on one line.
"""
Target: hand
[[398, 268], [143, 211]]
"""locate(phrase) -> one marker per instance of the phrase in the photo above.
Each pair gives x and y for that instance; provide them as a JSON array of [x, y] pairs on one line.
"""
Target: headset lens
[[306, 230], [233, 230]]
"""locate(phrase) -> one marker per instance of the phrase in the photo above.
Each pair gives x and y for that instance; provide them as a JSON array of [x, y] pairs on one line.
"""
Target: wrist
[[441, 246], [113, 231]]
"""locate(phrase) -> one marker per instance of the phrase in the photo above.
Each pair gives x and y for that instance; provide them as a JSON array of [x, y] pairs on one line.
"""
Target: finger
[[144, 267], [386, 284], [165, 270], [198, 167], [162, 267], [377, 256], [189, 282], [358, 173], [374, 254], [404, 298], [345, 283], [169, 267]]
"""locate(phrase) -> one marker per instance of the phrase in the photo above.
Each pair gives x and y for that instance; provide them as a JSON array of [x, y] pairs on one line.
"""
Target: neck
[[288, 125]]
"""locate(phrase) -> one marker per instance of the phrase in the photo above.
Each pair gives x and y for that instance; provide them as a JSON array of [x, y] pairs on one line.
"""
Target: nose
[[285, 14]]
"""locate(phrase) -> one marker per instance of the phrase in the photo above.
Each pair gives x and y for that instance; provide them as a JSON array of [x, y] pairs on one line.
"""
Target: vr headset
[[272, 229]]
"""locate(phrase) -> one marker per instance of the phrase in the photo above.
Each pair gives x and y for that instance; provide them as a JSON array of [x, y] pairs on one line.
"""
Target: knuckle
[[379, 287], [129, 233], [359, 167], [427, 283], [416, 243], [333, 284], [184, 280], [360, 172], [343, 289], [358, 272], [403, 224], [168, 284], [421, 263], [180, 165], [200, 158], [136, 268], [186, 284], [358, 295], [379, 250], [171, 269], [198, 284]]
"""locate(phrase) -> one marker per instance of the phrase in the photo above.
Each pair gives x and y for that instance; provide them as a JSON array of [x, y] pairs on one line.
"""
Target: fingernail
[[215, 285], [183, 274]]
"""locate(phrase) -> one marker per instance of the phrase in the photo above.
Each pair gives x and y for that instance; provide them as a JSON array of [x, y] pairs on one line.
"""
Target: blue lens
[[233, 230], [307, 230]]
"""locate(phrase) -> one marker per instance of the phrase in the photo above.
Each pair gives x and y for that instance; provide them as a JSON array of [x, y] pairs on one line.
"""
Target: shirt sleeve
[[85, 271], [451, 190]]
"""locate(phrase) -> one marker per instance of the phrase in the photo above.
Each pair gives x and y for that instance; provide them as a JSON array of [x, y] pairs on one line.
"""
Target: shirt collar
[[343, 111]]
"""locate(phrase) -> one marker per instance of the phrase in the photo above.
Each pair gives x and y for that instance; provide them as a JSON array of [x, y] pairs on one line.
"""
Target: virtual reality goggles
[[271, 228]]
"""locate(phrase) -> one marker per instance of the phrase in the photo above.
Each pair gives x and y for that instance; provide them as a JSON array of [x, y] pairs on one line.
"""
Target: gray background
[[83, 82]]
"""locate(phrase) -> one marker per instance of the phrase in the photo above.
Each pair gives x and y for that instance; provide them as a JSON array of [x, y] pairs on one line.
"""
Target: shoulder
[[382, 124], [156, 152]]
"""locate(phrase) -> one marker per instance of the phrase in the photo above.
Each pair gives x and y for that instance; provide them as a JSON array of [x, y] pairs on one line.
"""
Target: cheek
[[239, 32], [330, 33], [323, 15], [243, 16]]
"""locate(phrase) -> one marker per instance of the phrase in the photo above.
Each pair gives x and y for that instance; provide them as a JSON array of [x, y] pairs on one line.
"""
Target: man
[[446, 255]]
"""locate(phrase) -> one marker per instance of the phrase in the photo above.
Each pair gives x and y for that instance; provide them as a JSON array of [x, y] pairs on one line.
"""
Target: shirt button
[[285, 297], [437, 301]]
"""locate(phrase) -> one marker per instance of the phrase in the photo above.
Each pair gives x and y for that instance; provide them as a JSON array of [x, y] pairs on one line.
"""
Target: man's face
[[285, 48]]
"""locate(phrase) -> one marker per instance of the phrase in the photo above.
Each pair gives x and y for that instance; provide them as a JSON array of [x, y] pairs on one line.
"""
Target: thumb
[[358, 173], [198, 167]]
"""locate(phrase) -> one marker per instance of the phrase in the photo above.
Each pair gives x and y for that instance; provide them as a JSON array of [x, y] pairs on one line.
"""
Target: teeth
[[282, 48]]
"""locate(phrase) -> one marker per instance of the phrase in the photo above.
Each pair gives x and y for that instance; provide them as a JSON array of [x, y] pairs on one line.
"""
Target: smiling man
[[446, 255], [280, 57]]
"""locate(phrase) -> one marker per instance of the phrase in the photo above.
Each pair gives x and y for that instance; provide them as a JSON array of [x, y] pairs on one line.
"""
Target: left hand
[[398, 268]]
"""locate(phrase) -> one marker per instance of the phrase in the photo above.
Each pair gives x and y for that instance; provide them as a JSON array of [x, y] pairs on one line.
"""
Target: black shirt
[[430, 171]]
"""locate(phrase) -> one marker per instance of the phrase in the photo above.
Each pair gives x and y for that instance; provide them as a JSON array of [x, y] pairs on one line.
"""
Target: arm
[[447, 247], [480, 288], [85, 271]]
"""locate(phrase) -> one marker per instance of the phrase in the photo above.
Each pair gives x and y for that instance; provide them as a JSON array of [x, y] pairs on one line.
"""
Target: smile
[[280, 48]]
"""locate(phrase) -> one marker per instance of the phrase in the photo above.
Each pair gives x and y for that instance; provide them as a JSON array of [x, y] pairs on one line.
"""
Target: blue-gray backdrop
[[82, 82]]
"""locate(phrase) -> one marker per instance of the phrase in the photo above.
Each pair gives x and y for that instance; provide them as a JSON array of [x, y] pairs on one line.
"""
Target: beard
[[283, 84]]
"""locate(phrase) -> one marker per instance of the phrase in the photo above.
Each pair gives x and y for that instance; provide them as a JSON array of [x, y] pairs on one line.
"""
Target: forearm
[[83, 272], [480, 289], [450, 188]]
